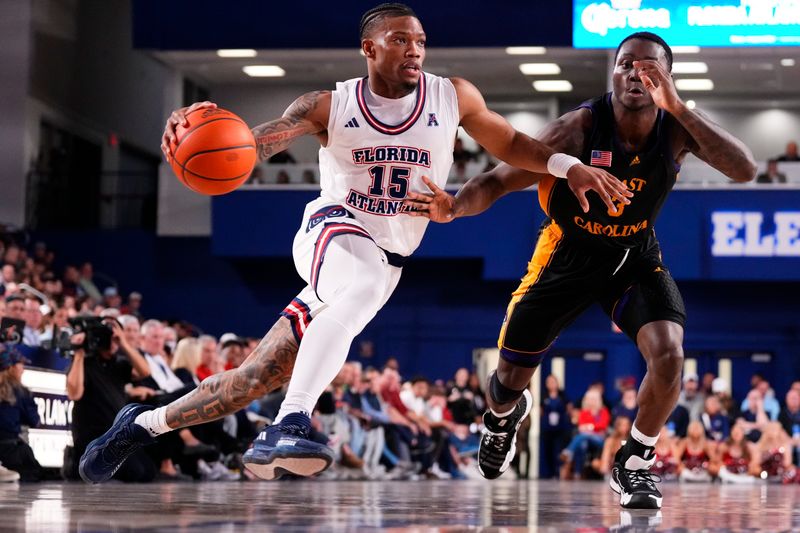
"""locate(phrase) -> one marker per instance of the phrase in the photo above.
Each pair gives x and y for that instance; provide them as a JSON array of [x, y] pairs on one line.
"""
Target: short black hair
[[652, 37], [378, 13]]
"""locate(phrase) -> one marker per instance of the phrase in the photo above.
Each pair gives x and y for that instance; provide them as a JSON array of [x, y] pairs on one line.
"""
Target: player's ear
[[368, 48]]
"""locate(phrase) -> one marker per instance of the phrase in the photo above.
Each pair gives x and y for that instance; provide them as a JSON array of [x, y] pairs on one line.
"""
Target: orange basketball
[[214, 153]]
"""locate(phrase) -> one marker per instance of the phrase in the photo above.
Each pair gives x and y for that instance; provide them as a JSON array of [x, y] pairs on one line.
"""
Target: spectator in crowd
[[133, 307], [791, 153], [461, 154], [627, 406], [256, 177], [309, 177], [737, 458], [282, 178], [754, 418], [460, 400], [186, 360], [790, 420], [131, 329], [620, 433], [666, 464], [555, 426], [111, 297], [716, 424], [232, 350], [707, 384], [770, 404], [209, 357], [771, 175], [774, 453], [691, 397], [478, 398], [600, 387], [17, 409], [33, 322], [96, 383], [728, 407], [593, 421], [71, 280], [8, 276], [696, 455], [15, 307], [170, 342], [678, 422], [86, 283]]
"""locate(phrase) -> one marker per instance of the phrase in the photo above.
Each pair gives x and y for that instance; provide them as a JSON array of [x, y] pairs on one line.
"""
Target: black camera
[[98, 336], [11, 330]]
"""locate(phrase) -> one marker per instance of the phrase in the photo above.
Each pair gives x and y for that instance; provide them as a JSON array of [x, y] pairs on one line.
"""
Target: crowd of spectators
[[709, 436]]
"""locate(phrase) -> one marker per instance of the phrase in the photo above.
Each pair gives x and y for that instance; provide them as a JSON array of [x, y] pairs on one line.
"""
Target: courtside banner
[[604, 23]]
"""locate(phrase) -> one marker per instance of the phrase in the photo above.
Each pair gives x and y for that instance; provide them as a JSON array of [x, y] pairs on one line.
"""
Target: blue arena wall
[[453, 294]]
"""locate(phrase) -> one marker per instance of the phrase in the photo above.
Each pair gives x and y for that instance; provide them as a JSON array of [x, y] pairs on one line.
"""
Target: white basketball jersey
[[369, 165]]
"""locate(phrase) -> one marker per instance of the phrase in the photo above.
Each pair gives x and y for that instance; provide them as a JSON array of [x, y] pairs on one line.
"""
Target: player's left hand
[[659, 84], [439, 205]]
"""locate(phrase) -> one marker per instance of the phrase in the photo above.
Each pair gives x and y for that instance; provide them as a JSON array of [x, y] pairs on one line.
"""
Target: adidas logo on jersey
[[352, 123]]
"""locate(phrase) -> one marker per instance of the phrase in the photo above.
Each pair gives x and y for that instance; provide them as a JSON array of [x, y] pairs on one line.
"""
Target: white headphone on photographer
[[43, 307]]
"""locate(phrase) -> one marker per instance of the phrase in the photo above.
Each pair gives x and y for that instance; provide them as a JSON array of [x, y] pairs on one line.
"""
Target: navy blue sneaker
[[284, 448], [105, 454]]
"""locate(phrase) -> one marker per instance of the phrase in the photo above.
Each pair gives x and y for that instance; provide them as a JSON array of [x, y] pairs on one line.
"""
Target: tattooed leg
[[268, 367]]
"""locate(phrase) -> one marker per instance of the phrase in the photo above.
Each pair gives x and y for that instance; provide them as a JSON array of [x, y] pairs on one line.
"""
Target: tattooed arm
[[267, 368], [308, 115]]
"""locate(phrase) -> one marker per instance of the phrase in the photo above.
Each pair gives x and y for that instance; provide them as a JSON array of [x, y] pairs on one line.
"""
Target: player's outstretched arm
[[308, 115], [267, 368], [704, 138], [500, 139]]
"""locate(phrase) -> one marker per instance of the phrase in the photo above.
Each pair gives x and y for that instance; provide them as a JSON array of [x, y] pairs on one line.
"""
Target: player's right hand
[[178, 117], [583, 178], [439, 205]]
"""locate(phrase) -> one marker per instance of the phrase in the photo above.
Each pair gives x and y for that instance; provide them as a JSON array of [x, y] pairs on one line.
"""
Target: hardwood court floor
[[424, 506]]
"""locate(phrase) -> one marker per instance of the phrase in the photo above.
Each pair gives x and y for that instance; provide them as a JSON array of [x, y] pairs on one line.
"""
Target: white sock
[[638, 436], [322, 354], [504, 414], [155, 421]]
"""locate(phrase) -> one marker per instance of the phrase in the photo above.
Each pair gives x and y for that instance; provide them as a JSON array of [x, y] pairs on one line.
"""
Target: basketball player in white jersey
[[379, 136]]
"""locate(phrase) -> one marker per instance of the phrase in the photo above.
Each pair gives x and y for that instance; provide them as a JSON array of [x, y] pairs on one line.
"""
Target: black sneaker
[[631, 477], [498, 442]]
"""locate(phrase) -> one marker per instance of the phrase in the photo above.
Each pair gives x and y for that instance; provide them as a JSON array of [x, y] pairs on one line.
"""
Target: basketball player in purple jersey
[[379, 135], [641, 132]]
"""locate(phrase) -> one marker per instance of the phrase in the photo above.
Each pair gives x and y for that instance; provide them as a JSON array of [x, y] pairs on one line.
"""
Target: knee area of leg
[[669, 360]]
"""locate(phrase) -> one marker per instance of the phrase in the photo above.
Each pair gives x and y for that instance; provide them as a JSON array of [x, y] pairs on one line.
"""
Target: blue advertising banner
[[604, 23], [739, 233]]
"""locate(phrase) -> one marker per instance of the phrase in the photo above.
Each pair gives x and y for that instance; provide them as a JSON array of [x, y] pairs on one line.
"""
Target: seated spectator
[[770, 404], [728, 407], [691, 397], [256, 177], [556, 426], [478, 397], [111, 297], [210, 362], [282, 178], [133, 307], [666, 464], [696, 455], [771, 175], [17, 409], [753, 417], [186, 360], [621, 432], [737, 458], [309, 176], [627, 406], [774, 454], [232, 350], [460, 400], [716, 424], [593, 421], [678, 422], [790, 420], [707, 384], [791, 153], [86, 283]]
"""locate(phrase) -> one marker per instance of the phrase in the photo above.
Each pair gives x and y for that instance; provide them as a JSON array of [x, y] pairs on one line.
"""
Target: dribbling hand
[[583, 178], [178, 117], [439, 206]]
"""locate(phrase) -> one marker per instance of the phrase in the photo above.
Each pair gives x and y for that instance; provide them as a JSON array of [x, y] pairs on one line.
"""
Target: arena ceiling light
[[264, 71], [698, 84], [689, 67], [539, 69], [787, 62], [241, 52], [552, 86], [685, 49], [526, 50]]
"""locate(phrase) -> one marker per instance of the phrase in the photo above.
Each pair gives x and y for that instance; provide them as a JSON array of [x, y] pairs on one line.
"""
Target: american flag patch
[[600, 158]]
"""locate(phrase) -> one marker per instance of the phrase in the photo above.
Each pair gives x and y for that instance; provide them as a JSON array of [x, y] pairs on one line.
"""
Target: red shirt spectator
[[600, 420]]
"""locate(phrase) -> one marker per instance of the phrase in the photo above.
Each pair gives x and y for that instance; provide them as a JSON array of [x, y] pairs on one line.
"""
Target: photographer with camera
[[17, 409], [103, 363]]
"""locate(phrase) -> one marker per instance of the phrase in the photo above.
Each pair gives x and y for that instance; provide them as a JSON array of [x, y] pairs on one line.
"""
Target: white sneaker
[[8, 476], [222, 473]]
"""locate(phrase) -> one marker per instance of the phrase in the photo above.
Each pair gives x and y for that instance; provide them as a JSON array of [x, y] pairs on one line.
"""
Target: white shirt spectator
[[31, 337], [162, 373]]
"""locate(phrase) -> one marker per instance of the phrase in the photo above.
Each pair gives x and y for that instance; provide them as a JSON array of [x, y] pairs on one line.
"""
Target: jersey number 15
[[398, 182]]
